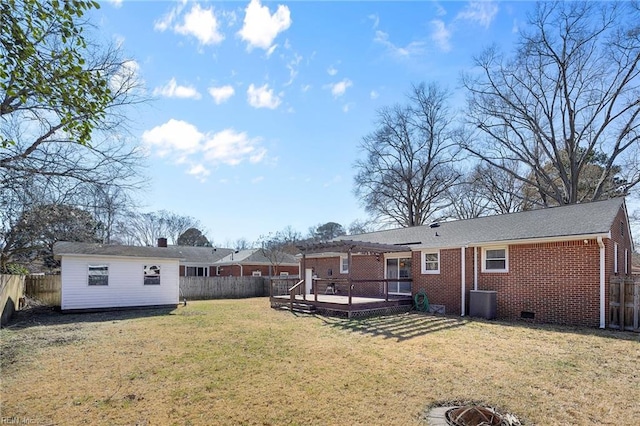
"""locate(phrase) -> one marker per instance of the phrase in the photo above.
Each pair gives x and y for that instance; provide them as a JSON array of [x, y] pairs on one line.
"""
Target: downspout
[[602, 284], [240, 265], [475, 268], [462, 281]]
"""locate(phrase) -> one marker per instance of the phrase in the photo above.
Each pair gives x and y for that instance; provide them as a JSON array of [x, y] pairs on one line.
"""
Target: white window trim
[[205, 269], [423, 262], [398, 256], [95, 265], [256, 273], [342, 269], [506, 259], [615, 258], [284, 274], [159, 275]]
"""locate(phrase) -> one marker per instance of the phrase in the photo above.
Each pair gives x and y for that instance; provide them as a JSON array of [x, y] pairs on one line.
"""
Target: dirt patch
[[32, 329]]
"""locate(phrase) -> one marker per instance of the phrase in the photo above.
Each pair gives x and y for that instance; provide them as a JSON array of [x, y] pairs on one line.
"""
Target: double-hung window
[[430, 262], [495, 259], [344, 264], [98, 275]]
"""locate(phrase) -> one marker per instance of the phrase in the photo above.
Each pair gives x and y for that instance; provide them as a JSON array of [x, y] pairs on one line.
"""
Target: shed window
[[495, 260], [151, 275], [98, 275], [256, 273]]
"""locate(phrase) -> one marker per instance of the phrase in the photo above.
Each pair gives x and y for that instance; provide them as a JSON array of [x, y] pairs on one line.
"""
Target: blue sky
[[259, 107]]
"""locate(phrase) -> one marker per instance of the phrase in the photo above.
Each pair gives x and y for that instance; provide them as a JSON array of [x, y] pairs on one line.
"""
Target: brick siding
[[559, 282]]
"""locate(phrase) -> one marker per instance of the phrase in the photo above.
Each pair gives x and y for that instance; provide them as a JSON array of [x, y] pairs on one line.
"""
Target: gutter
[[602, 282]]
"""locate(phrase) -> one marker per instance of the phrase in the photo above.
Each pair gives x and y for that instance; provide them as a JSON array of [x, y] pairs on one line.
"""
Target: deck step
[[305, 308]]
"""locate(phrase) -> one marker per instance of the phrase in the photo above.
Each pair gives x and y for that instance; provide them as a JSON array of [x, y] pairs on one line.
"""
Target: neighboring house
[[97, 276], [254, 262], [551, 265], [199, 261]]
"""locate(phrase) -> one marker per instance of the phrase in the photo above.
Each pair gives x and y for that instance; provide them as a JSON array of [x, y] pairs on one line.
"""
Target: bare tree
[[466, 199], [504, 192], [64, 108], [145, 228], [408, 162], [278, 247], [238, 244], [359, 226], [570, 91]]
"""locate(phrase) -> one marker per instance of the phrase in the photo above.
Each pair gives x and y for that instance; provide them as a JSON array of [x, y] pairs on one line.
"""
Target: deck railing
[[357, 287]]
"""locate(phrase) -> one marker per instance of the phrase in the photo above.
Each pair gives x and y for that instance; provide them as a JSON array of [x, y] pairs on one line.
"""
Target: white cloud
[[374, 94], [199, 171], [332, 71], [305, 88], [221, 94], [338, 89], [257, 179], [441, 35], [440, 10], [260, 27], [116, 3], [347, 107], [175, 138], [336, 180], [165, 22], [481, 12], [292, 66], [376, 20], [127, 77], [183, 143], [173, 90], [230, 147], [412, 49], [202, 24], [198, 22], [262, 97]]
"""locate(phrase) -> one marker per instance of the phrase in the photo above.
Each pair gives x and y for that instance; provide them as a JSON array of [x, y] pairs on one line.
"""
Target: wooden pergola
[[349, 247]]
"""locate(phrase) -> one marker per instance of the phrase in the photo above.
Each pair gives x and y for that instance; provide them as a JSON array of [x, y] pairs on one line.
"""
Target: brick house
[[199, 261], [551, 265], [254, 262]]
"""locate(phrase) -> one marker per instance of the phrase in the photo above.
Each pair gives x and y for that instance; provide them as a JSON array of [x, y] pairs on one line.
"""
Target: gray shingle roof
[[255, 257], [595, 218], [72, 248], [205, 255]]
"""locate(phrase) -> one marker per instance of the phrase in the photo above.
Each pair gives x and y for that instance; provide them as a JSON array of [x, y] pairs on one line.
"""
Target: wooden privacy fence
[[11, 290], [199, 288], [46, 288], [624, 303]]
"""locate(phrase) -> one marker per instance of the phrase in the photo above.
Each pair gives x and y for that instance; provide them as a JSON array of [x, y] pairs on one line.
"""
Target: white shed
[[98, 276]]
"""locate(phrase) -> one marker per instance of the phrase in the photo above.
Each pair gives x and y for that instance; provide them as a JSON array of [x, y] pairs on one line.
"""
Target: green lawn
[[239, 362]]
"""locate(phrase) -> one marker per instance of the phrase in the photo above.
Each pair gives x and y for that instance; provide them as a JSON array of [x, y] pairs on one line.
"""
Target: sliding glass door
[[399, 267]]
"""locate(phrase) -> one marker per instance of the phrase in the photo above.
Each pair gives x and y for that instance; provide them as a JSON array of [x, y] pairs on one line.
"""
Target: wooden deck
[[335, 304]]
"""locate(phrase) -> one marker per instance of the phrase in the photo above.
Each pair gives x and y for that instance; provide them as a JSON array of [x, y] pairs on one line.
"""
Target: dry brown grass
[[240, 362]]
